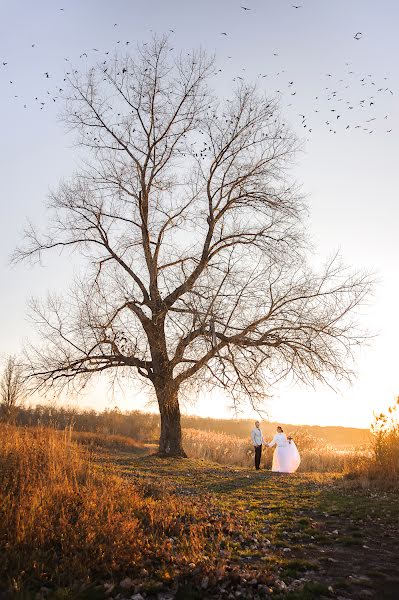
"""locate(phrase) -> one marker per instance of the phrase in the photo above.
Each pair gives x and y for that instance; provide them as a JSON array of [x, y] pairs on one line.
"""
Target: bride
[[286, 457]]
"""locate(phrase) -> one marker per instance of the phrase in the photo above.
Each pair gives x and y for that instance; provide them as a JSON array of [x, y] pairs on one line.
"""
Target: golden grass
[[62, 520], [111, 442], [382, 467], [217, 447], [228, 449]]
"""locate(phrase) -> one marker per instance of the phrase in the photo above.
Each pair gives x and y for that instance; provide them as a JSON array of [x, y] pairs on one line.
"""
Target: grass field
[[297, 536], [115, 522]]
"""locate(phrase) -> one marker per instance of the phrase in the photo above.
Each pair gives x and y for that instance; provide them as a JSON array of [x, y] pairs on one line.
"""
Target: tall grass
[[382, 467], [95, 441], [232, 450], [64, 521]]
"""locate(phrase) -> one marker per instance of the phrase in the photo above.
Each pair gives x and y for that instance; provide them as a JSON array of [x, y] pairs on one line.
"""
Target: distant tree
[[193, 234], [12, 390]]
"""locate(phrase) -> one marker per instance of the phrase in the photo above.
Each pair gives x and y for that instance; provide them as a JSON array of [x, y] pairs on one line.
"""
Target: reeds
[[228, 449], [382, 467]]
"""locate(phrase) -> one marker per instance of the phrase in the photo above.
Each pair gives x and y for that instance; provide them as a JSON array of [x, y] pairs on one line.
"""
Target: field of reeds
[[232, 450]]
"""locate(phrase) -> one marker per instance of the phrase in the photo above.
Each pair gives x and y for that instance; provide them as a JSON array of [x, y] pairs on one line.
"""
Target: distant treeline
[[135, 424], [144, 426]]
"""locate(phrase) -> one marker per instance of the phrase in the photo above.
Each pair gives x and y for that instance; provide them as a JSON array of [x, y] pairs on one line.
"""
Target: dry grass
[[217, 447], [67, 522], [110, 442], [382, 467], [62, 520], [232, 450]]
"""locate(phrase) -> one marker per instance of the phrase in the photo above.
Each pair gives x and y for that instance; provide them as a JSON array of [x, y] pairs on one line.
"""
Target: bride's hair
[[280, 429]]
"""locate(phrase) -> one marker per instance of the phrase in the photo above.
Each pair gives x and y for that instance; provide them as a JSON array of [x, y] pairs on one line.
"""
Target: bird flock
[[348, 101]]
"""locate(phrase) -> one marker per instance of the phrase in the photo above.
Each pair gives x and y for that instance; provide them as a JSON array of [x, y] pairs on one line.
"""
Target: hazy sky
[[349, 176]]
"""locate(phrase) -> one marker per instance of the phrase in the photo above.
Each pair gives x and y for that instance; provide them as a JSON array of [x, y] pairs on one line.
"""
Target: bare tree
[[193, 234], [12, 390]]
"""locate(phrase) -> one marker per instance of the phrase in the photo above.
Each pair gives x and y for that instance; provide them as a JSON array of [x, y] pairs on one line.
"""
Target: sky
[[348, 174]]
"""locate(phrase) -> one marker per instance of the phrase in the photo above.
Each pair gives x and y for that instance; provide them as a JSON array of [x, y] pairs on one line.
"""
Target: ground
[[300, 536]]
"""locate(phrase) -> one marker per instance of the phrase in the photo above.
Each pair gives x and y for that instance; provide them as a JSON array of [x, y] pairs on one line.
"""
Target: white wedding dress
[[286, 457]]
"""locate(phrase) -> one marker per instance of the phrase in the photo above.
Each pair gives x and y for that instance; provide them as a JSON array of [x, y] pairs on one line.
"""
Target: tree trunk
[[170, 441]]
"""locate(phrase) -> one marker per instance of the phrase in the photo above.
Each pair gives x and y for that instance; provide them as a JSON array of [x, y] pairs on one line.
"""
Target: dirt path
[[300, 536]]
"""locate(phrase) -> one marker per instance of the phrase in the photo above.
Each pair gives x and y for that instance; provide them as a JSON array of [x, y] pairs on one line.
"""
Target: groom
[[257, 440]]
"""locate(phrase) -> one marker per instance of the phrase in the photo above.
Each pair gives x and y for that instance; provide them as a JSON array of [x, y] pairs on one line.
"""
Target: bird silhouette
[[358, 35], [223, 33], [245, 8]]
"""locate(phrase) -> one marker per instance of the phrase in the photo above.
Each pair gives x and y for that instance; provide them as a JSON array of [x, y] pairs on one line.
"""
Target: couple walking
[[286, 457]]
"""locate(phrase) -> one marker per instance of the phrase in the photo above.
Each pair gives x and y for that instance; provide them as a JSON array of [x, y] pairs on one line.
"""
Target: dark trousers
[[258, 455]]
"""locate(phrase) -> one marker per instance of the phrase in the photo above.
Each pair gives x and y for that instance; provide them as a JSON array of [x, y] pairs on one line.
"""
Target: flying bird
[[245, 8], [223, 33], [358, 35]]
